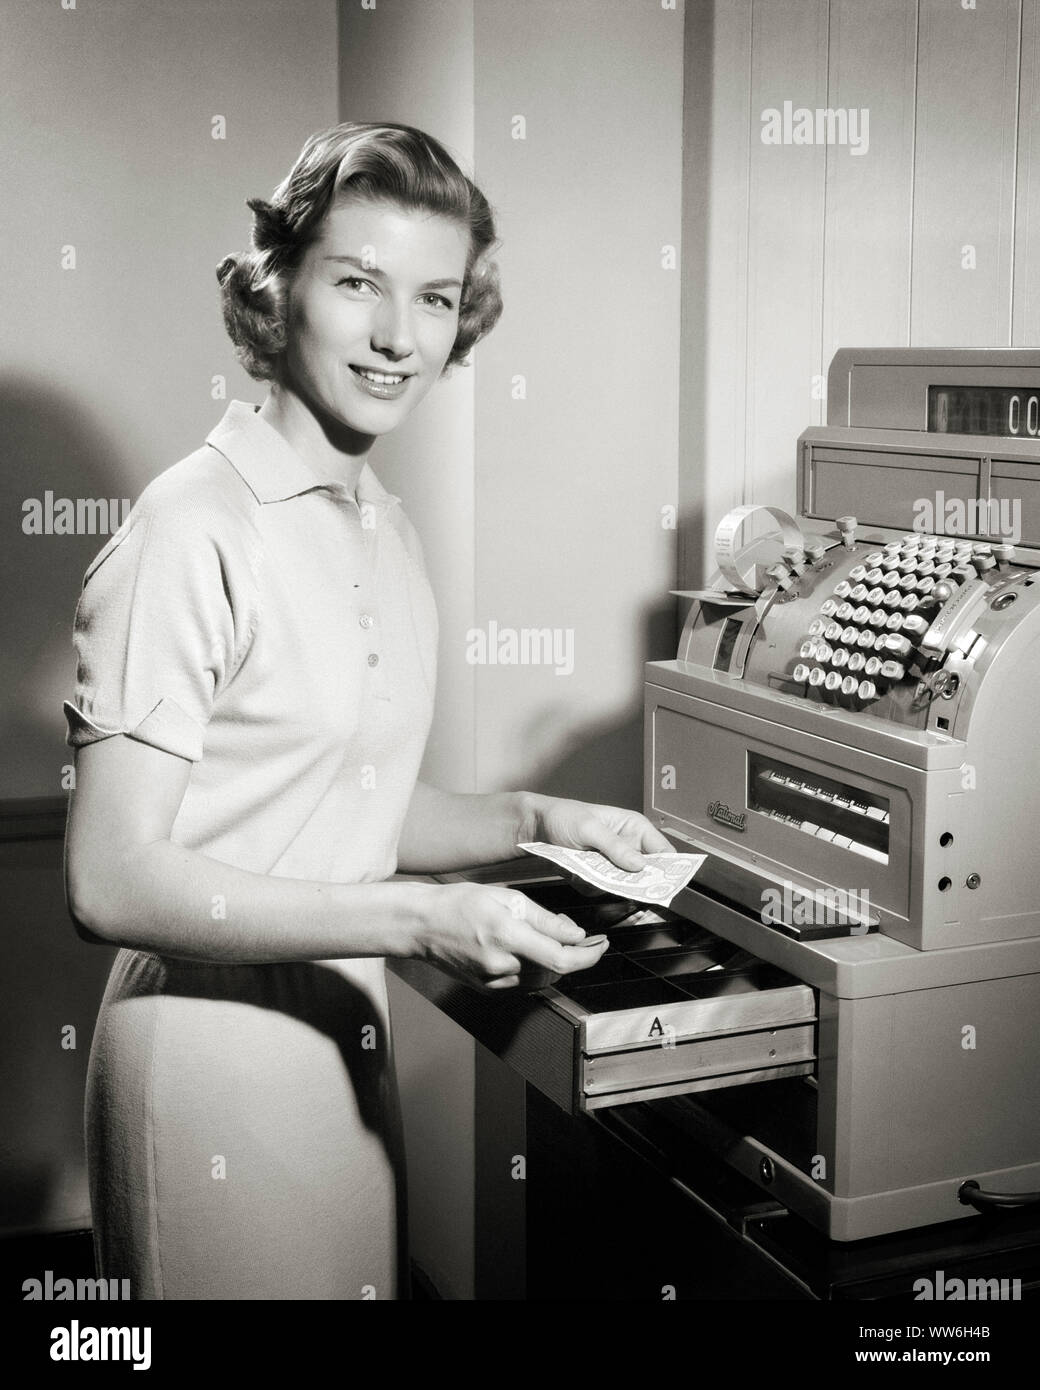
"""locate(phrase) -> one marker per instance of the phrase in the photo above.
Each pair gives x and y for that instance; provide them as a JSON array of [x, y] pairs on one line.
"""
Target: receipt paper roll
[[729, 529]]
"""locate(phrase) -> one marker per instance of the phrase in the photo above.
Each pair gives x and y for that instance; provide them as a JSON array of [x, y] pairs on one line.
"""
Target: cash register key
[[843, 612], [867, 691], [848, 635], [832, 681], [873, 575], [808, 650], [857, 572], [865, 640], [907, 566], [925, 567], [897, 645], [878, 618], [847, 526], [857, 660], [817, 676], [823, 651], [909, 602], [874, 558], [889, 579], [827, 607], [843, 588], [801, 673], [781, 577], [963, 573], [816, 627], [892, 599], [858, 594], [942, 570], [982, 548], [891, 547], [873, 666], [875, 597], [833, 631], [892, 670], [849, 685], [925, 585], [908, 582], [815, 551], [895, 622], [1005, 554], [861, 614], [983, 563], [840, 657], [914, 625]]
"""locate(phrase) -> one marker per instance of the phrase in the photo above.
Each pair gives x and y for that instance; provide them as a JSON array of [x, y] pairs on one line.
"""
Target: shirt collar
[[273, 470]]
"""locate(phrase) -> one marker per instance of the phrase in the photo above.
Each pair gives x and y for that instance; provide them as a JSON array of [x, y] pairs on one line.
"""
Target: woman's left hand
[[621, 836]]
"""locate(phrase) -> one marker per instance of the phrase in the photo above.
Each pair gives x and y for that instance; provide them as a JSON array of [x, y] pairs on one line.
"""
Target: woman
[[256, 673]]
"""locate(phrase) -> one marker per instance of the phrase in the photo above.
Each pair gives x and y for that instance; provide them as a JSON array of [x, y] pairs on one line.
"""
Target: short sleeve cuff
[[165, 726]]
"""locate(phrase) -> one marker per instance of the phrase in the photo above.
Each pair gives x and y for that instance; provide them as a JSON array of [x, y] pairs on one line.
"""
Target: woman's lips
[[385, 386]]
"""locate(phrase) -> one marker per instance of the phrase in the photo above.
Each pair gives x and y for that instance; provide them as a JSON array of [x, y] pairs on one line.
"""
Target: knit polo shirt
[[278, 631]]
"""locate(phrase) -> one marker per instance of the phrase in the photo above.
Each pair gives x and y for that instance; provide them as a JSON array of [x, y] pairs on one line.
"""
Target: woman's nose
[[392, 331]]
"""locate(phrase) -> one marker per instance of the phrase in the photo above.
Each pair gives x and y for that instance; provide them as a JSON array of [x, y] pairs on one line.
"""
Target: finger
[[521, 908], [619, 851], [504, 982], [531, 945], [652, 841]]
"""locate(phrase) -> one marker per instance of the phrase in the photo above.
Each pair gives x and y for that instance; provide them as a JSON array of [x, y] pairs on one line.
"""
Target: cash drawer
[[669, 1009]]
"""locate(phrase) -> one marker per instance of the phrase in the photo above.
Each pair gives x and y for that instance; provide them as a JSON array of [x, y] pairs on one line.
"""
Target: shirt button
[[366, 620], [373, 659]]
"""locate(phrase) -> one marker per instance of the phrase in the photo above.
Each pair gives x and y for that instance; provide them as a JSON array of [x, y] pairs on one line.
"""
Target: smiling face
[[373, 312]]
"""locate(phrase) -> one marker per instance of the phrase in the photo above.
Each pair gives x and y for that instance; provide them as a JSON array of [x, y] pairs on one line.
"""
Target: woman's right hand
[[498, 938]]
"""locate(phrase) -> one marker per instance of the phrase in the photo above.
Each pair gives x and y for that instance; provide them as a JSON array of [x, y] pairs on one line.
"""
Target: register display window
[[846, 816]]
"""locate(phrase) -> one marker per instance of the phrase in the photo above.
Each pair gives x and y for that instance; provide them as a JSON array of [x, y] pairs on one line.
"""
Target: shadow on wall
[[52, 445], [50, 990], [603, 761]]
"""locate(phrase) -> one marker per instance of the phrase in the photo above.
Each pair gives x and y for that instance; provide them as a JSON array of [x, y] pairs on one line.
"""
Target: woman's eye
[[354, 282], [437, 301]]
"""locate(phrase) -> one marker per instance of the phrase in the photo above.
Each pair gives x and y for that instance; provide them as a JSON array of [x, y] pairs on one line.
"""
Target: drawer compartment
[[669, 1009]]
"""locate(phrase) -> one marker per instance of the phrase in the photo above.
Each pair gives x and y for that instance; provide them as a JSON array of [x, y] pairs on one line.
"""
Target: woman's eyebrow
[[375, 270], [358, 261]]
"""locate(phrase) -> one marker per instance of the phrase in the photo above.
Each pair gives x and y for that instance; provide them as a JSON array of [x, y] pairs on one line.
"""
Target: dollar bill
[[657, 882]]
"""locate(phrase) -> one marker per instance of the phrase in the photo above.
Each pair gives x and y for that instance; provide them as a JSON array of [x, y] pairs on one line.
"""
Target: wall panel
[[1026, 307], [964, 174], [785, 245], [869, 196]]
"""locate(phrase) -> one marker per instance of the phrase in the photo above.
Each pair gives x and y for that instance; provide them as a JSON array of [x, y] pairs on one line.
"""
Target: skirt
[[243, 1131]]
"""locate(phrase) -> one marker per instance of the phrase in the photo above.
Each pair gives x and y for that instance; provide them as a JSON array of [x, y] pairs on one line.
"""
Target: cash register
[[843, 1005]]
